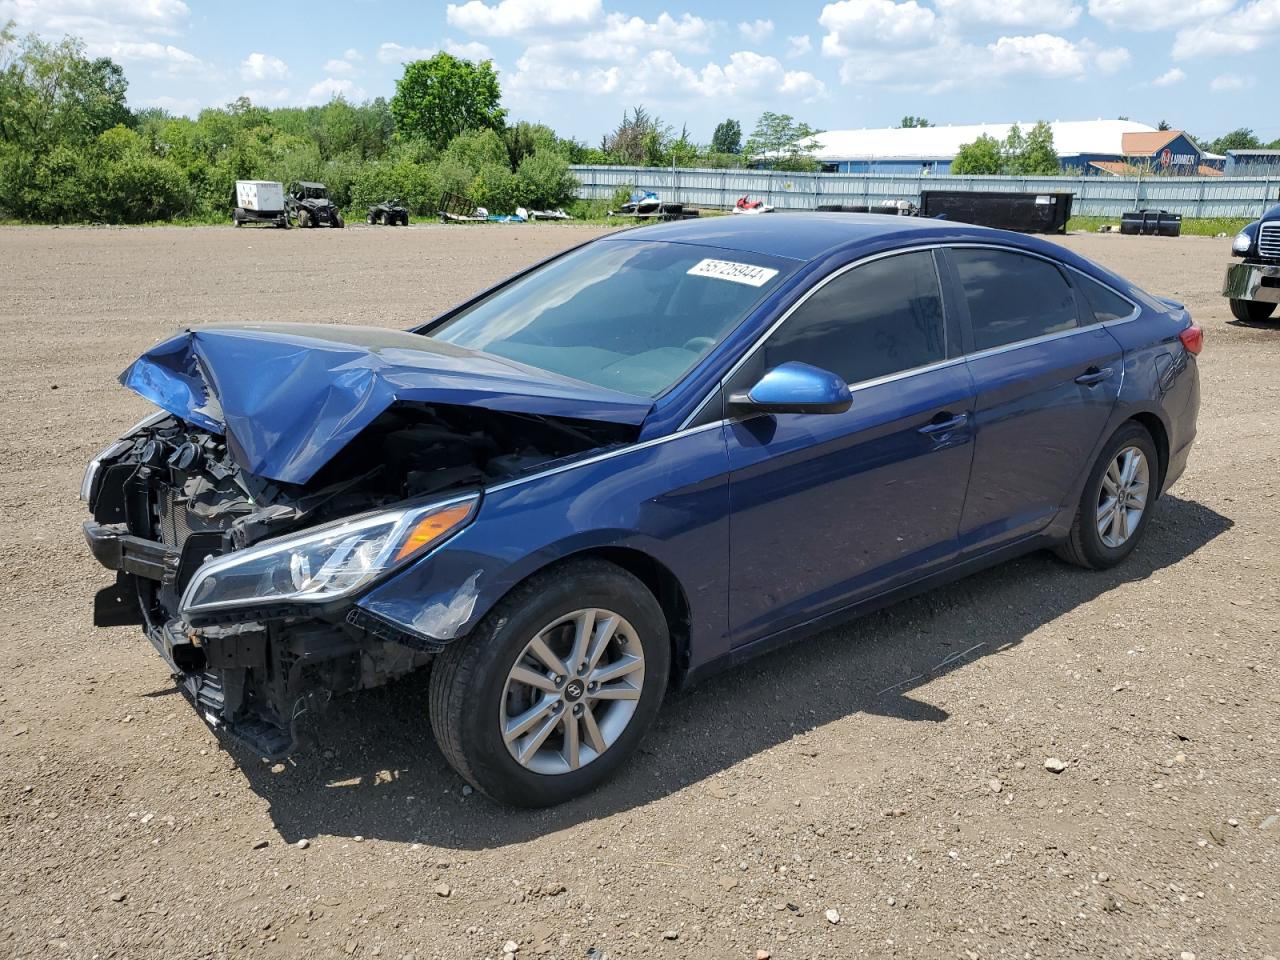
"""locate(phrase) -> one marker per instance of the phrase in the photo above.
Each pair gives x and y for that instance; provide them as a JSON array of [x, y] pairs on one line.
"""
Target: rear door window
[[1012, 296]]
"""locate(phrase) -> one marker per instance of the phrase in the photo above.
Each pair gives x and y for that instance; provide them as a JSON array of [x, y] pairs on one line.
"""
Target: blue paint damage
[[288, 397]]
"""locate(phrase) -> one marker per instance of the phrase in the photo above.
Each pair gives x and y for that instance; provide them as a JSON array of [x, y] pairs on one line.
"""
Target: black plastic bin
[[1024, 212], [1159, 223]]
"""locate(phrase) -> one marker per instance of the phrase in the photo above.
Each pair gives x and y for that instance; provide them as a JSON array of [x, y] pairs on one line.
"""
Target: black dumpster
[[1024, 212], [1160, 223]]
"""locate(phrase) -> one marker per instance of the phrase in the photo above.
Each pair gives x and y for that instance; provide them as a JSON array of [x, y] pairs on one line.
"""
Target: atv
[[308, 203], [390, 212]]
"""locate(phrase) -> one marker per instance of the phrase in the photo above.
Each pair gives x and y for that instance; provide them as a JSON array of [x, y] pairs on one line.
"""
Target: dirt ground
[[892, 770]]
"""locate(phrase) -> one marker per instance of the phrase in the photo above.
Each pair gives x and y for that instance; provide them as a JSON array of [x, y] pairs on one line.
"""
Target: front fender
[[667, 499]]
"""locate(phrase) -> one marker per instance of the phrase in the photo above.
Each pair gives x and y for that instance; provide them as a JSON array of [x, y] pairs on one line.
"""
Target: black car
[[391, 212], [309, 204], [1253, 285]]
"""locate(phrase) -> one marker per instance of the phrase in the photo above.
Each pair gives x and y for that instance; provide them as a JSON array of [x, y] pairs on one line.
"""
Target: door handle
[[1093, 376], [936, 426]]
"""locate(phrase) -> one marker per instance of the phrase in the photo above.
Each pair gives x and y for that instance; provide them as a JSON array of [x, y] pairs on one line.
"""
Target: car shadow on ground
[[377, 772]]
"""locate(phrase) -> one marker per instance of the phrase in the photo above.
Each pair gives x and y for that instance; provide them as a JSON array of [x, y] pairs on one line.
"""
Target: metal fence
[[1099, 196]]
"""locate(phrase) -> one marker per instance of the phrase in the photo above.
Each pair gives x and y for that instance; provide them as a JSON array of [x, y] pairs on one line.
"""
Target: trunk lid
[[288, 397]]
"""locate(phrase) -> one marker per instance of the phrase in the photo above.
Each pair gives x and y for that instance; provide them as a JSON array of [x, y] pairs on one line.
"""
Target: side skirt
[[785, 638]]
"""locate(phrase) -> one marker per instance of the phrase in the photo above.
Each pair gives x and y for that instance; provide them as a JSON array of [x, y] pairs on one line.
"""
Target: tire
[[1252, 311], [304, 218], [371, 220], [1097, 549], [473, 690], [338, 222]]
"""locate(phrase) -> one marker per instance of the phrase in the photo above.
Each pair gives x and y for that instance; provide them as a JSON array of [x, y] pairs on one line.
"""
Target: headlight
[[1242, 243], [326, 563], [120, 446]]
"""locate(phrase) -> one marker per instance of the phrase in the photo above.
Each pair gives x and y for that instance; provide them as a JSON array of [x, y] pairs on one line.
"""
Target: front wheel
[[304, 218], [1252, 311], [338, 221], [1116, 504], [554, 689]]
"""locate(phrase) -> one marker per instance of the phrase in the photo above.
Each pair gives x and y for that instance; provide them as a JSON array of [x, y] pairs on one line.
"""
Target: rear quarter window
[[1104, 303]]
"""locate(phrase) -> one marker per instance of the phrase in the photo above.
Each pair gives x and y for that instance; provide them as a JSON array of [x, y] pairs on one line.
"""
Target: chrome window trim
[[685, 430]]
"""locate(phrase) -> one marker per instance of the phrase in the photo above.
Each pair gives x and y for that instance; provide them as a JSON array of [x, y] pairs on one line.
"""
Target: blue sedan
[[643, 460]]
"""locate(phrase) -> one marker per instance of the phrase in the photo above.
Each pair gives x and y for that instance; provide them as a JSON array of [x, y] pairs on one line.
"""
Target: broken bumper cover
[[1252, 281]]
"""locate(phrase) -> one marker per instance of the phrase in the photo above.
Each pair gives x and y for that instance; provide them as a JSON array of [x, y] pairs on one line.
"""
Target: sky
[[1207, 66]]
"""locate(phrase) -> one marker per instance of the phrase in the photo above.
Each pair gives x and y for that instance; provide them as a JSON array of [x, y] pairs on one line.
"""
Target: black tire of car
[[469, 677], [304, 218], [1252, 311], [1084, 546]]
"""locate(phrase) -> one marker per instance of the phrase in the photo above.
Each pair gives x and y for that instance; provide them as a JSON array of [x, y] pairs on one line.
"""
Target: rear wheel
[[235, 216], [1116, 504], [554, 689], [372, 219], [304, 218], [1252, 311]]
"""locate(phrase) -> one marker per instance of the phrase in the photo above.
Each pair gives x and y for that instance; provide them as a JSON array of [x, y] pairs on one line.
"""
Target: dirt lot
[[892, 771]]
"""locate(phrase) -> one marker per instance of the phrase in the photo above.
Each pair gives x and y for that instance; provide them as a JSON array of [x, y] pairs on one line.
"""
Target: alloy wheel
[[1123, 497], [572, 691]]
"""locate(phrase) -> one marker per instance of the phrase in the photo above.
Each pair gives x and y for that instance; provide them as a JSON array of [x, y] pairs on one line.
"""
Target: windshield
[[632, 316]]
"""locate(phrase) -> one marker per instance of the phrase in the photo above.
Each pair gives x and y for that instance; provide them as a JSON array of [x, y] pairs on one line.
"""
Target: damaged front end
[[248, 585]]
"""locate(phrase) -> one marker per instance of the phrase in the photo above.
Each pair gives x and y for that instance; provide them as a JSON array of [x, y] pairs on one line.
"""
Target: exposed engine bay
[[171, 497]]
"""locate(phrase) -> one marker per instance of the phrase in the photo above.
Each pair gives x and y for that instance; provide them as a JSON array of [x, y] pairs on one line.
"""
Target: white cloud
[[1254, 26], [510, 18], [1230, 83], [1042, 55], [263, 66], [864, 24], [395, 53], [1155, 14], [1110, 60], [187, 106], [950, 63], [173, 59], [1053, 14], [474, 50], [1169, 78], [98, 21], [799, 46], [353, 55], [269, 97], [331, 87], [756, 31], [339, 68]]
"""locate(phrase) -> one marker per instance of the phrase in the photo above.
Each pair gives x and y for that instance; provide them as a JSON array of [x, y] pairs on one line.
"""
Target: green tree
[[909, 122], [1242, 139], [640, 139], [727, 137], [782, 141], [439, 98], [1037, 157], [983, 156]]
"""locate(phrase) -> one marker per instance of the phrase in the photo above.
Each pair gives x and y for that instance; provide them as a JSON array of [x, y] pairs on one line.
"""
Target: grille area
[[1269, 240], [173, 526]]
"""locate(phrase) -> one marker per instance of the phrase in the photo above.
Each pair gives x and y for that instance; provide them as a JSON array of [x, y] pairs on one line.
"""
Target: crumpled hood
[[288, 397]]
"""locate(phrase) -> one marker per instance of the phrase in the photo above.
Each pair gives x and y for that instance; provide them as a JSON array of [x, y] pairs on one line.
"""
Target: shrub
[[545, 180]]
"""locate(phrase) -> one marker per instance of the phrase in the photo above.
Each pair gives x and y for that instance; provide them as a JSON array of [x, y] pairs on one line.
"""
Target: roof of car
[[310, 183], [805, 236]]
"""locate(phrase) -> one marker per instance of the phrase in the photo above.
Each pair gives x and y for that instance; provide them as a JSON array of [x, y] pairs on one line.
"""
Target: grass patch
[[1209, 227]]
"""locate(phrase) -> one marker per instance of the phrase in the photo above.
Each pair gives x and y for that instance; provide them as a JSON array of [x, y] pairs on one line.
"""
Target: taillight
[[1193, 339]]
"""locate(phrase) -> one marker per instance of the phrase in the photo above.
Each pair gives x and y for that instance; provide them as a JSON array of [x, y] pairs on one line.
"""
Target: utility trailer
[[259, 201]]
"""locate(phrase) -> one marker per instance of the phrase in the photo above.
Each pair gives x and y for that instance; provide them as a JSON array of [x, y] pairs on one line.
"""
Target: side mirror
[[794, 387]]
